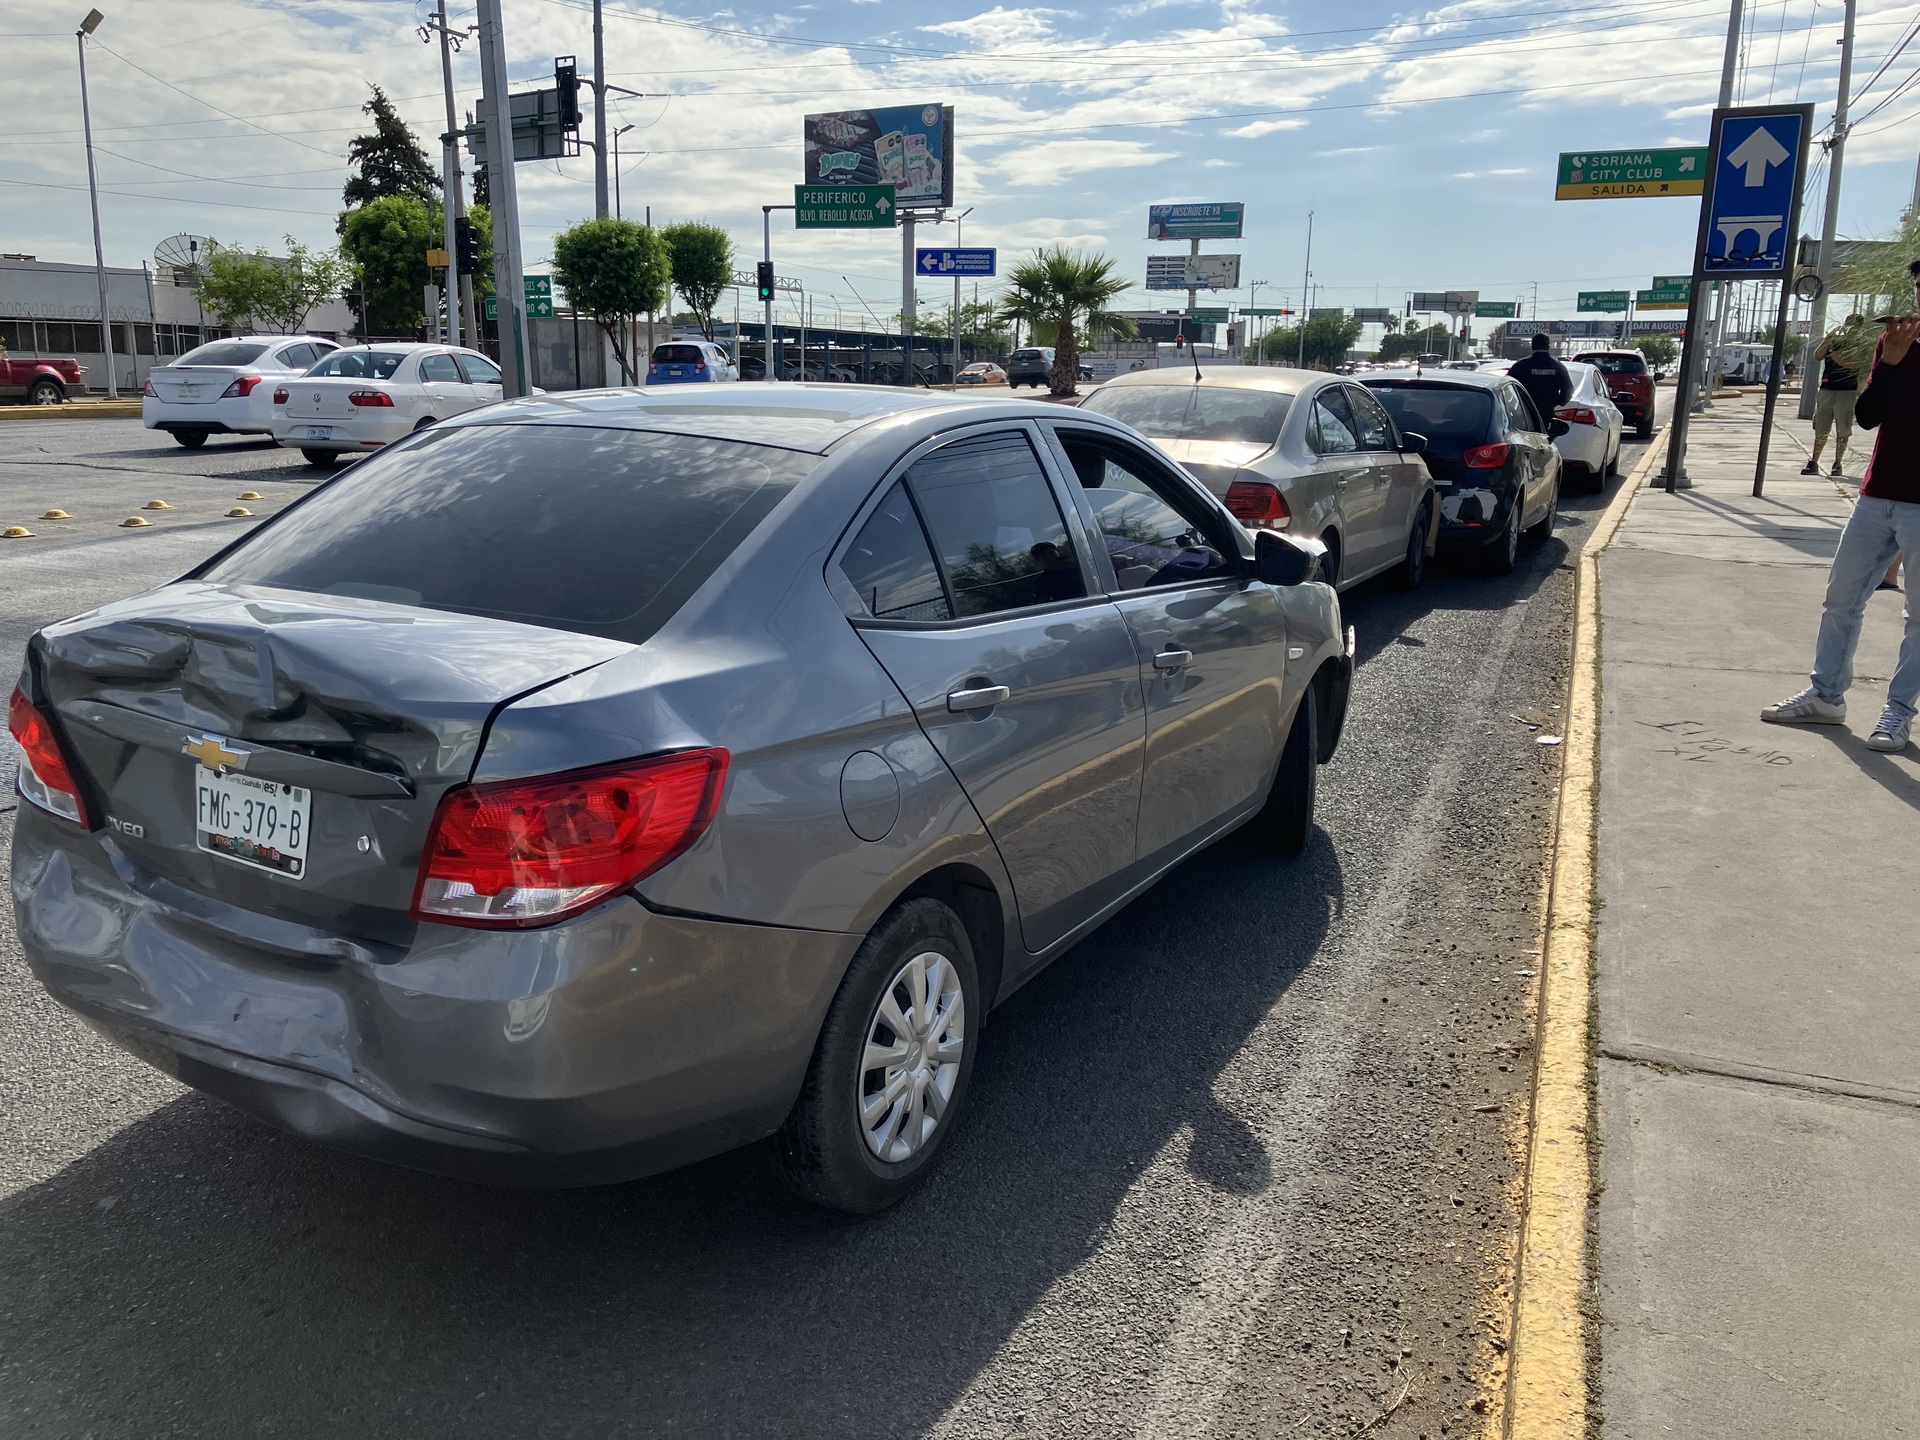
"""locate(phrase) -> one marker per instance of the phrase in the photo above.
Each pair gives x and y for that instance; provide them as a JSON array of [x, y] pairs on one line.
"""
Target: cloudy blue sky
[[1423, 138]]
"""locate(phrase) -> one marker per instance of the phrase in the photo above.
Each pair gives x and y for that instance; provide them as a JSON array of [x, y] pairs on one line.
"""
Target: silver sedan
[[1294, 450]]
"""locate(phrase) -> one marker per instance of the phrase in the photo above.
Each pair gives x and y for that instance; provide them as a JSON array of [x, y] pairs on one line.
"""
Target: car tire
[[1285, 820], [1542, 529], [45, 392], [1412, 568], [1643, 430], [192, 439], [1330, 562], [1503, 552], [835, 1152], [425, 420], [324, 459]]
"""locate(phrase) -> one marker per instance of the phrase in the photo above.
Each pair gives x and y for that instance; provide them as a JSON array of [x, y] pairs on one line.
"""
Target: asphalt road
[[1241, 1164]]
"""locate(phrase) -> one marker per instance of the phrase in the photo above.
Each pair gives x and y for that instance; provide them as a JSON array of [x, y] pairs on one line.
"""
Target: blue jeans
[[1876, 532]]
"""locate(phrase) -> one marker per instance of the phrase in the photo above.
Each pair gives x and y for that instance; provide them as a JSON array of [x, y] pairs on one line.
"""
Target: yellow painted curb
[[74, 410], [1546, 1378]]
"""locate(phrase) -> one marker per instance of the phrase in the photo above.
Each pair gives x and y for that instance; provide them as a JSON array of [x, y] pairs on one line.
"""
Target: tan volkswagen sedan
[[1293, 450]]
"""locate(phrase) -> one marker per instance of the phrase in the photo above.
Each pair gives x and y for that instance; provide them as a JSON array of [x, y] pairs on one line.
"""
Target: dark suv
[[1031, 366], [1629, 382]]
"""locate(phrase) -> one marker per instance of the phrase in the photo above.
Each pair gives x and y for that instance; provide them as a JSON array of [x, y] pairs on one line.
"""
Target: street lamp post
[[1306, 292], [1253, 298], [616, 168], [87, 27]]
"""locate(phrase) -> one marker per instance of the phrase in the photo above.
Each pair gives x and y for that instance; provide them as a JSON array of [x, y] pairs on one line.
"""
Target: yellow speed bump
[[135, 522], [156, 505], [56, 515], [16, 532], [239, 512], [249, 495]]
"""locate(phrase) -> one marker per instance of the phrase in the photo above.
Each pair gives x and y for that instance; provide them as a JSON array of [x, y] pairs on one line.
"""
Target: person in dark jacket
[[1885, 523], [1543, 377]]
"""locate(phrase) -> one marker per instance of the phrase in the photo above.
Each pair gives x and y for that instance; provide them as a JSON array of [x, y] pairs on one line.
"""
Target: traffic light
[[566, 79], [466, 246], [764, 273]]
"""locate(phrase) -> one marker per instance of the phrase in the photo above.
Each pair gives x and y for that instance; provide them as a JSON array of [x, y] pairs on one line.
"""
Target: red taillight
[[530, 852], [376, 398], [280, 396], [1485, 457], [1258, 505], [699, 367], [1576, 415], [147, 389], [241, 388], [44, 778]]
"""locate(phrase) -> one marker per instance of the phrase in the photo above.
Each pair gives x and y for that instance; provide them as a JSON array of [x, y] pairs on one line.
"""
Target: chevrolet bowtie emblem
[[210, 752]]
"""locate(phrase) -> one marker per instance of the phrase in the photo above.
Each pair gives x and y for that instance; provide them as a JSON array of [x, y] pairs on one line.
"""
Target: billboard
[[909, 147], [1193, 272], [1209, 220]]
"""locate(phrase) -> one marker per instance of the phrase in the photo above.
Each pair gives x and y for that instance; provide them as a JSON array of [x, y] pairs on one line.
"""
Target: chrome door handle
[[984, 697], [1173, 659]]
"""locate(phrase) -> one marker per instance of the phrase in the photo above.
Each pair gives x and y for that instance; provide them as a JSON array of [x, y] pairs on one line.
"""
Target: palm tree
[[1068, 290]]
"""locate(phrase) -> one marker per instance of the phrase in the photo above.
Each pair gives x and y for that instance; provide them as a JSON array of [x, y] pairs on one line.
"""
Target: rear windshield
[[361, 364], [595, 530], [1029, 355], [223, 352], [1443, 413], [678, 355], [1195, 412], [1616, 364]]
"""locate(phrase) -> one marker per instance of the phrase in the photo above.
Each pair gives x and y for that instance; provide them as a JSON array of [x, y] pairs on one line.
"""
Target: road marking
[[1546, 1377]]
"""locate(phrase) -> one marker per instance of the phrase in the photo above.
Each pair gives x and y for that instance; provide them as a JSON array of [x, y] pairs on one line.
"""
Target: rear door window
[[996, 528], [1332, 429], [440, 369], [1520, 410], [596, 530], [296, 357], [1370, 421]]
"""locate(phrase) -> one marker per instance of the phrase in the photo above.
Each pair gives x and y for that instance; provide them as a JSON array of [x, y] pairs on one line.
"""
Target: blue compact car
[[689, 362]]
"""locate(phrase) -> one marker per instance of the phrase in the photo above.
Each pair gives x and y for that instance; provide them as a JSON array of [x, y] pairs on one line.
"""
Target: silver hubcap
[[912, 1062]]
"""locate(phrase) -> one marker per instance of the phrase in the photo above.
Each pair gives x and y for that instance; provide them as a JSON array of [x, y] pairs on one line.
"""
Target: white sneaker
[[1806, 708], [1891, 733]]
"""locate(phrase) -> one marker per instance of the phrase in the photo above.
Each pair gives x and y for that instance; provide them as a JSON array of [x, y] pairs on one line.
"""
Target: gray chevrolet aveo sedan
[[594, 784]]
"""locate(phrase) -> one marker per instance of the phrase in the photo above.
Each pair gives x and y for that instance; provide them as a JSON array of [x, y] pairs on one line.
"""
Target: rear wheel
[[1503, 552], [192, 439], [45, 392], [325, 459], [1285, 820], [1330, 562], [890, 1069], [1542, 529], [1412, 568], [1644, 429], [425, 421]]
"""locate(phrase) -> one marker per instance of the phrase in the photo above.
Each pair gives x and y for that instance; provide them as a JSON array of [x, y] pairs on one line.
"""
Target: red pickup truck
[[42, 382]]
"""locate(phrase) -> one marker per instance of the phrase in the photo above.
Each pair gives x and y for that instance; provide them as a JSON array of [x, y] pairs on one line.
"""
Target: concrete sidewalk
[[1758, 976]]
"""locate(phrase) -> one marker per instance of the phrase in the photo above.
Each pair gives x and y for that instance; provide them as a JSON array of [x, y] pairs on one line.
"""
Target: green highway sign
[[539, 292], [1207, 317], [1604, 301], [1496, 309], [1264, 310], [843, 207], [1663, 297], [1673, 282], [1630, 174]]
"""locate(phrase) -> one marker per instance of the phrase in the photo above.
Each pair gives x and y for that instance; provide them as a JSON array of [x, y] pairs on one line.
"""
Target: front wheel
[[1413, 565], [1285, 820], [890, 1069], [192, 439]]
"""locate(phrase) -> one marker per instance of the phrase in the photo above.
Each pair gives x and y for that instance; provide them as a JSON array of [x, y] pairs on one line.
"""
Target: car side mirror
[[1280, 559], [1557, 428], [1413, 444]]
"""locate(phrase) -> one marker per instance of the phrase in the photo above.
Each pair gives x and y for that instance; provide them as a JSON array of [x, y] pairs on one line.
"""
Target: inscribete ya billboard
[[909, 147]]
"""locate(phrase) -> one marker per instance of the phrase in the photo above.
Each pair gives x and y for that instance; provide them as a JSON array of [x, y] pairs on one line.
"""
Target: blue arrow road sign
[[955, 262], [1753, 190]]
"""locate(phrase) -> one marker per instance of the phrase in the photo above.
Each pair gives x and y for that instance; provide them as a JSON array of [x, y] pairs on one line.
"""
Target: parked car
[[42, 381], [1628, 384], [982, 372], [1595, 429], [689, 362], [363, 397], [532, 803], [1491, 453], [1031, 366], [226, 387], [1292, 450]]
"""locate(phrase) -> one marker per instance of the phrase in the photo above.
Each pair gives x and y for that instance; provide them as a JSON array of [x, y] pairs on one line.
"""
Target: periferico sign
[[1630, 174], [843, 207]]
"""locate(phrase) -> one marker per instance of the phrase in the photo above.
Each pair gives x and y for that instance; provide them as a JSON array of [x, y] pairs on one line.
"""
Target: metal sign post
[[496, 110]]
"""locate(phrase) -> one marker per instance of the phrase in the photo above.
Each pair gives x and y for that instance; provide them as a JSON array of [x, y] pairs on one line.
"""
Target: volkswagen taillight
[[44, 777], [1485, 457], [378, 399], [1258, 505], [517, 853], [240, 388]]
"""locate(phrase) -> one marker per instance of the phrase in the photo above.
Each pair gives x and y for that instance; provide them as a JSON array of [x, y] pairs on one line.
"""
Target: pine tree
[[390, 159]]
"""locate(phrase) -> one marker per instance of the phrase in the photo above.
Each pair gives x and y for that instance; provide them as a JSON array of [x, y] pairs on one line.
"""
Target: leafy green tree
[[702, 259], [1659, 350], [386, 240], [1879, 285], [272, 292], [389, 158], [1070, 289], [613, 270], [1329, 338], [1432, 340]]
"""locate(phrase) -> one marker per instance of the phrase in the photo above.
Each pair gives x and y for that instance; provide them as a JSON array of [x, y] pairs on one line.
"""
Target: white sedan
[[358, 399], [1590, 450], [225, 387]]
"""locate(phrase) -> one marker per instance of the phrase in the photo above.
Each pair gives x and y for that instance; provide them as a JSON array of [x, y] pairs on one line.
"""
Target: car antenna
[[1193, 354]]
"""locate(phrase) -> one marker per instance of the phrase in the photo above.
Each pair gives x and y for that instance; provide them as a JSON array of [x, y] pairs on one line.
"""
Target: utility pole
[[87, 27], [453, 194], [509, 285], [1306, 292], [599, 115], [909, 304], [1836, 152]]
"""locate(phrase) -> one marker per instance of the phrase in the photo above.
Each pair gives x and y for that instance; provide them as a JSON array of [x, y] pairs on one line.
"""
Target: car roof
[[409, 345], [808, 416], [1278, 378]]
